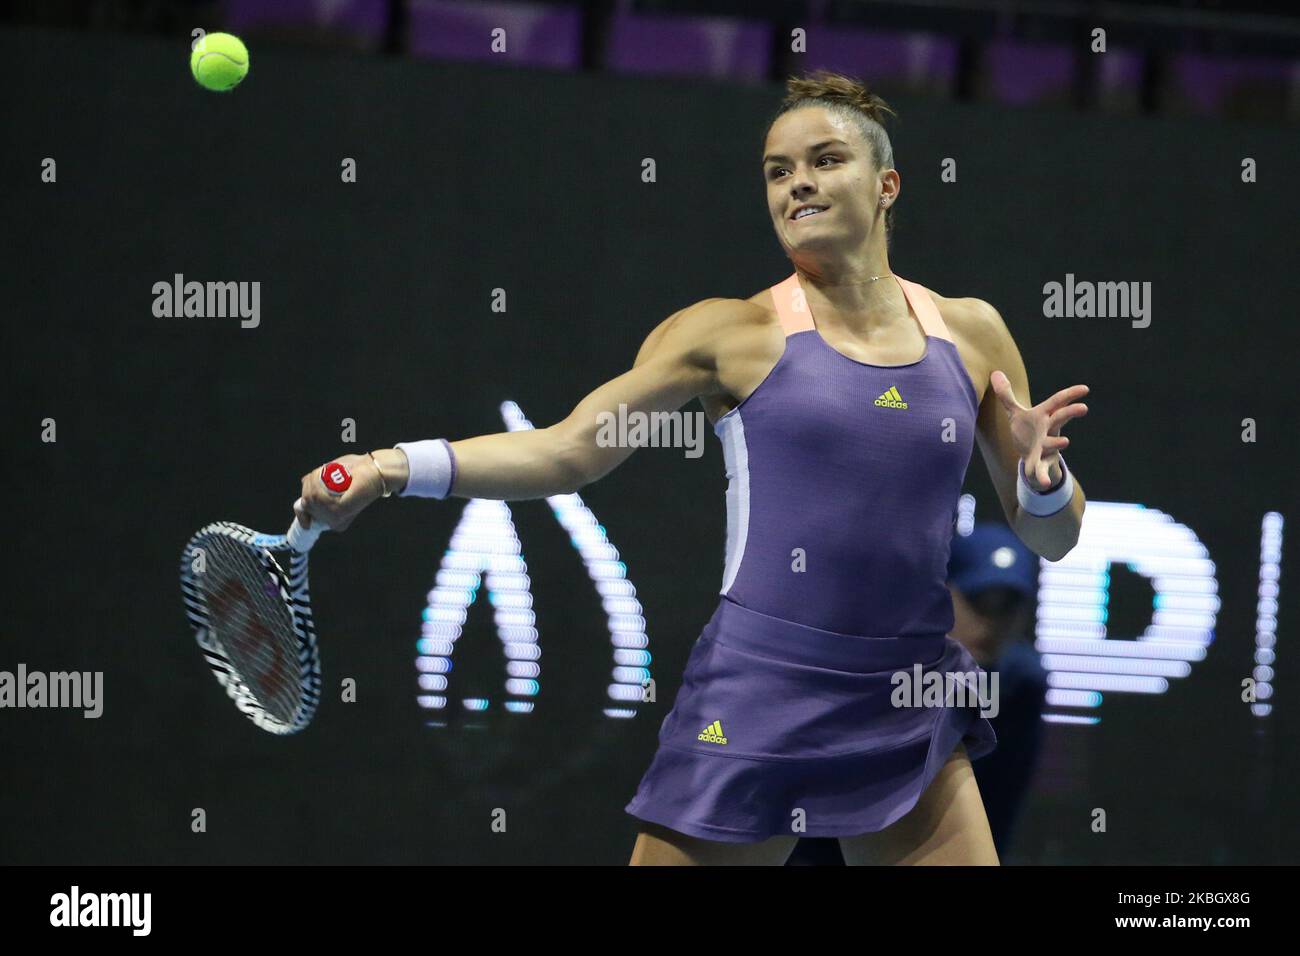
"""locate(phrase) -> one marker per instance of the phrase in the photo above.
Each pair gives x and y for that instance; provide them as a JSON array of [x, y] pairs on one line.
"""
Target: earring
[[882, 200]]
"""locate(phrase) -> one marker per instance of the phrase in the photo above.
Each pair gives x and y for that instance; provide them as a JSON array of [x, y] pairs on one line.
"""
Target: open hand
[[1037, 431]]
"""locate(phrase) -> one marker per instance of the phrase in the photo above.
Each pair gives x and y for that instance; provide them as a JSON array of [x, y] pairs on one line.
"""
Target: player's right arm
[[678, 361]]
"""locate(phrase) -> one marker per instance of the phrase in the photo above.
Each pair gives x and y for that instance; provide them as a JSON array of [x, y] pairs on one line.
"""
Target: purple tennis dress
[[843, 487]]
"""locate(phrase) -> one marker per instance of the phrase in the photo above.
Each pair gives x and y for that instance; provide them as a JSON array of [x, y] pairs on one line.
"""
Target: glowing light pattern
[[485, 544], [1270, 579], [1070, 719], [1082, 659], [1073, 698], [965, 515]]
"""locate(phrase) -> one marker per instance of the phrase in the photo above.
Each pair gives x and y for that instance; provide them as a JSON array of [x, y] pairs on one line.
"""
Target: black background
[[376, 306]]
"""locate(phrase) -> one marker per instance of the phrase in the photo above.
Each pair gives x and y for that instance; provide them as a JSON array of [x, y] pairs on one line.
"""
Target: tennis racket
[[247, 599]]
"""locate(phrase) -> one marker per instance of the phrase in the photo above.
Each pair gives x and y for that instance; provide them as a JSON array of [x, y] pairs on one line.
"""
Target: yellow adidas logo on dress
[[891, 399], [712, 734]]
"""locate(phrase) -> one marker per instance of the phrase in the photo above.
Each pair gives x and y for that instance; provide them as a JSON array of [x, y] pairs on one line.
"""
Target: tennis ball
[[219, 61]]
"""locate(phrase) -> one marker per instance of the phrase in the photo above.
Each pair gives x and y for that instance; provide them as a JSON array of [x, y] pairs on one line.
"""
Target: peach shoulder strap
[[792, 307]]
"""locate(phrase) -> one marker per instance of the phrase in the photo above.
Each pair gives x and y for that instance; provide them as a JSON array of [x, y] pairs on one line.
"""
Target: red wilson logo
[[336, 478]]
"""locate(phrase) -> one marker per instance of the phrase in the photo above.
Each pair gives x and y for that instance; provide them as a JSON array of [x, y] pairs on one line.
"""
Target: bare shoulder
[[974, 323], [735, 341], [980, 334], [970, 317], [730, 315], [706, 326]]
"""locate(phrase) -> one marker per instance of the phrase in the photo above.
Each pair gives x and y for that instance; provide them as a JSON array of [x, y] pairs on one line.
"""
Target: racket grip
[[301, 539], [336, 480]]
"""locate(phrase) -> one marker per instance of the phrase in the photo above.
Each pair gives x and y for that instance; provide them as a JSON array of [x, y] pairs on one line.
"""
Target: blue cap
[[992, 556]]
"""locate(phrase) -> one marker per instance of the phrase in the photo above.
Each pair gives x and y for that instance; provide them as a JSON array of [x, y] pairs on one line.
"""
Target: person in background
[[993, 578], [994, 582]]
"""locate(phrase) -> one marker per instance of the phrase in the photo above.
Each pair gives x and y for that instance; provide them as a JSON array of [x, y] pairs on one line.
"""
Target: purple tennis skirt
[[774, 718]]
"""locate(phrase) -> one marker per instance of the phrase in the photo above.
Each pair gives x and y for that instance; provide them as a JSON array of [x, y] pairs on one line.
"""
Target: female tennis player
[[847, 401]]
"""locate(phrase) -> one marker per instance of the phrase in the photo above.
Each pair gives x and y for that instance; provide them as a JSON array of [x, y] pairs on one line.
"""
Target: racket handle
[[336, 479], [302, 539]]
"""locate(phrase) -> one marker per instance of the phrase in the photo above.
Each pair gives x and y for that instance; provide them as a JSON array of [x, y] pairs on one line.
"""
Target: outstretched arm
[[677, 362], [1011, 430]]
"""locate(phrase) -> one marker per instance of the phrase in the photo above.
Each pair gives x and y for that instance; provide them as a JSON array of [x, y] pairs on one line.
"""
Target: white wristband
[[1041, 504], [432, 467]]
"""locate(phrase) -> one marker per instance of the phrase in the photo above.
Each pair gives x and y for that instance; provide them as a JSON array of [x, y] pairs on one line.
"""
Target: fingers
[[1038, 464], [315, 503], [1001, 386], [334, 510], [1063, 397], [1002, 389], [1059, 417], [1030, 468], [300, 506], [1039, 470]]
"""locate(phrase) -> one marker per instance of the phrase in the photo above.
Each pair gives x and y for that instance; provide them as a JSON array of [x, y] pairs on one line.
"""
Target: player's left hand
[[1037, 431]]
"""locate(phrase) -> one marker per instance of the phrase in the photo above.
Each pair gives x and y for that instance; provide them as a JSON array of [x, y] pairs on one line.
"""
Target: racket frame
[[293, 589]]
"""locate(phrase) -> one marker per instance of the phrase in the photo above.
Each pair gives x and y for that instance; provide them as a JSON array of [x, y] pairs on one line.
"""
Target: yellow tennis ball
[[219, 61]]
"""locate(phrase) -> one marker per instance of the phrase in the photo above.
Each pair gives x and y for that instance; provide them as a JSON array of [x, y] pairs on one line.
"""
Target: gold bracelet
[[383, 483]]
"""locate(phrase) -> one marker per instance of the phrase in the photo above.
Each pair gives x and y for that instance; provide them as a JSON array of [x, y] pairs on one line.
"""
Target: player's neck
[[861, 295]]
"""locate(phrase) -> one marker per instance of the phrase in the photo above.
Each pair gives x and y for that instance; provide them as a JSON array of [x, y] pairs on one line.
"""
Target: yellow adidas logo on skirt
[[712, 734]]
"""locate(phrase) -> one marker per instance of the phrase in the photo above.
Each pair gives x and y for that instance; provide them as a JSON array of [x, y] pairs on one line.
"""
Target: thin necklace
[[885, 276]]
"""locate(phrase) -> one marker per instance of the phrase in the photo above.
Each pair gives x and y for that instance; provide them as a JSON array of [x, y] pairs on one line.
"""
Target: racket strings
[[248, 618]]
